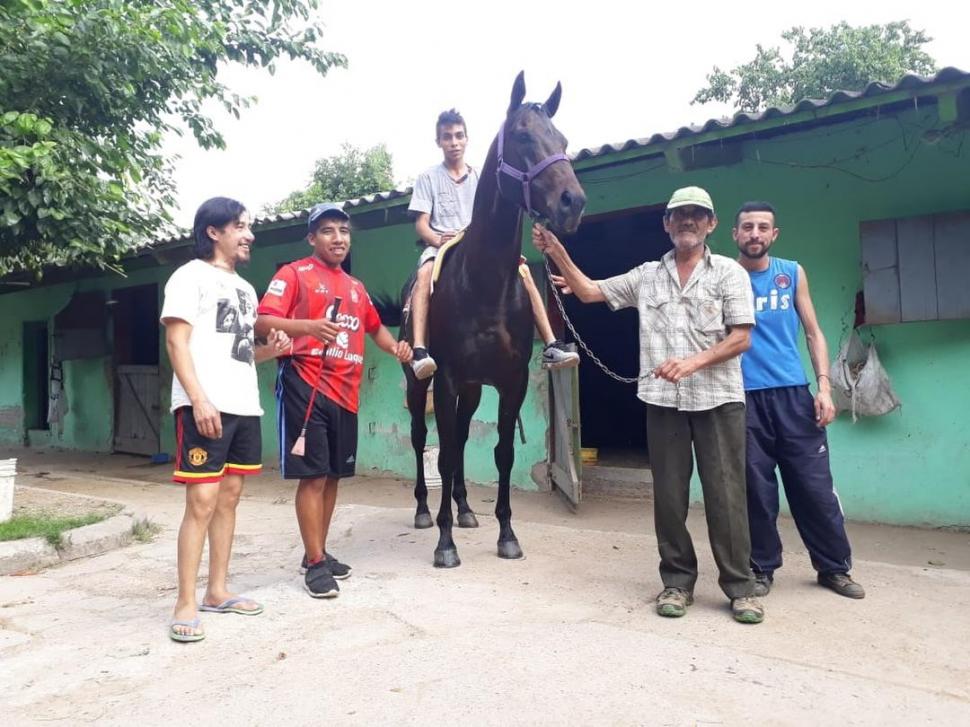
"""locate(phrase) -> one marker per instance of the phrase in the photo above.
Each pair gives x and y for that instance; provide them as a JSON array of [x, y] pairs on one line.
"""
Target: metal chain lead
[[582, 344]]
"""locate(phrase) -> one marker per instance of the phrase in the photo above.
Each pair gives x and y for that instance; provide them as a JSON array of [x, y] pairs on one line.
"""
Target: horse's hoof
[[422, 520], [467, 520], [446, 558], [509, 549]]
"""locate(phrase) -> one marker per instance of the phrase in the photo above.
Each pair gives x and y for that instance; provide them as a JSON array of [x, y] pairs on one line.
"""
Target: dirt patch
[[34, 501]]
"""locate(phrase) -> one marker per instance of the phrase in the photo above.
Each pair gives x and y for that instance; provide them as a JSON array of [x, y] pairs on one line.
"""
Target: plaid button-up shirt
[[679, 322]]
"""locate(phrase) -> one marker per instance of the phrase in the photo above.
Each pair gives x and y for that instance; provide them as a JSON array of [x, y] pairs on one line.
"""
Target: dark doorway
[[613, 419], [134, 313], [36, 372]]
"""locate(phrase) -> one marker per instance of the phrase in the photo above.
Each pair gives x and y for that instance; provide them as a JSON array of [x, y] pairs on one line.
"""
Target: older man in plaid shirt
[[696, 313]]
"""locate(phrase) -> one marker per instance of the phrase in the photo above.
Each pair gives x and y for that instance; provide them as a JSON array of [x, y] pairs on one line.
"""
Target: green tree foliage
[[842, 57], [350, 174], [87, 91]]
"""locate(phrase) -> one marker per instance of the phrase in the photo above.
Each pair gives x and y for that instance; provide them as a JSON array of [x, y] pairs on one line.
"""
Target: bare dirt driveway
[[565, 636]]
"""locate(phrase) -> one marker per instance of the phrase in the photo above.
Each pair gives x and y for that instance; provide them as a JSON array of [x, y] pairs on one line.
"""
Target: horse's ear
[[518, 92], [552, 103]]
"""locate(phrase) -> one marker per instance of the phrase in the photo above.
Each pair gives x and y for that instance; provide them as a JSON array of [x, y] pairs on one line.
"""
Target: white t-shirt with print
[[221, 308]]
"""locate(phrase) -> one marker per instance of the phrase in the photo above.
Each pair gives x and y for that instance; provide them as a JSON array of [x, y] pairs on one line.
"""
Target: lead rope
[[582, 344], [299, 446]]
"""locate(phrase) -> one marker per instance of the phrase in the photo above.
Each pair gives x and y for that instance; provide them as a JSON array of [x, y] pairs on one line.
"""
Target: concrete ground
[[567, 635]]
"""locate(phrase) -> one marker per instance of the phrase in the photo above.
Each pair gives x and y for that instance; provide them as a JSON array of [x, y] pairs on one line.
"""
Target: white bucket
[[8, 468], [431, 477]]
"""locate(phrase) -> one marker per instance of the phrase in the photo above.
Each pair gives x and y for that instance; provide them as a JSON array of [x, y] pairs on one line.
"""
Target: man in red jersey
[[328, 356]]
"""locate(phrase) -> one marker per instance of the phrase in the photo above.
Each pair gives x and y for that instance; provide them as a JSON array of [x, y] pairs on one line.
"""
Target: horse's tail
[[391, 311]]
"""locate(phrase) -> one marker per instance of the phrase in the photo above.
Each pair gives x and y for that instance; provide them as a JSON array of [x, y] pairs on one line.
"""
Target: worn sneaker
[[319, 581], [762, 584], [842, 584], [557, 355], [423, 365], [747, 610], [673, 602]]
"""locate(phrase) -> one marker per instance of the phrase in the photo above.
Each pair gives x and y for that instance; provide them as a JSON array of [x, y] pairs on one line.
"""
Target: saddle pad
[[446, 248], [440, 257]]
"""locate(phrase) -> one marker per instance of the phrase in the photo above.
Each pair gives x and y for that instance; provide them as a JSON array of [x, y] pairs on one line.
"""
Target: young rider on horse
[[442, 200]]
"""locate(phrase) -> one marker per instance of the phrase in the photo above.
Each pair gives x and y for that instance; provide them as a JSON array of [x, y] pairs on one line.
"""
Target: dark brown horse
[[480, 320]]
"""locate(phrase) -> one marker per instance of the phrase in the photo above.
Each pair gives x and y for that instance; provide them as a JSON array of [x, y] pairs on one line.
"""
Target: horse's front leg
[[417, 395], [445, 403], [510, 401], [467, 405]]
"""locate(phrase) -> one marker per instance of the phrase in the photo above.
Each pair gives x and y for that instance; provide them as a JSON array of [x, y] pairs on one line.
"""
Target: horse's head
[[533, 170]]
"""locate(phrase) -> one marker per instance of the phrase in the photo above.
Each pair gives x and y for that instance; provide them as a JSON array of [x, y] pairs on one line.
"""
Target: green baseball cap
[[690, 195]]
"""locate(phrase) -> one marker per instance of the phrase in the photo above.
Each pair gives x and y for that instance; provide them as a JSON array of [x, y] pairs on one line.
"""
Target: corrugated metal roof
[[350, 203], [909, 82]]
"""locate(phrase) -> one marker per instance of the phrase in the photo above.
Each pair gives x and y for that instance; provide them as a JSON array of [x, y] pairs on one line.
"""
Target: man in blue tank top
[[785, 423]]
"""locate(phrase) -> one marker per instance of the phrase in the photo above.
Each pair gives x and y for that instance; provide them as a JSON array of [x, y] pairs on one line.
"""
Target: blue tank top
[[773, 359]]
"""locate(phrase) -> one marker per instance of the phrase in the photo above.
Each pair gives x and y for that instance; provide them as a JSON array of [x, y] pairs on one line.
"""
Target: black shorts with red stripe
[[239, 451]]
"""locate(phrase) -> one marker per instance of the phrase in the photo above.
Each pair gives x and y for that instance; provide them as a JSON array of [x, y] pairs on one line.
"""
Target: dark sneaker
[[319, 581], [842, 584], [337, 569], [673, 602], [557, 355], [747, 610], [762, 584], [423, 365]]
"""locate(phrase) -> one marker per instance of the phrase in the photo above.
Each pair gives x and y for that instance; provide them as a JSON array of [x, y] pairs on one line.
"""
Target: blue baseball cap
[[325, 208]]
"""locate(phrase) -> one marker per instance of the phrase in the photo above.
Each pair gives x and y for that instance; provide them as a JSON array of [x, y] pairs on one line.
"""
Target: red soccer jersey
[[305, 289]]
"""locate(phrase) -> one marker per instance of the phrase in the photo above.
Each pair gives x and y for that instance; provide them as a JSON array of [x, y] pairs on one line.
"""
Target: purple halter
[[528, 175]]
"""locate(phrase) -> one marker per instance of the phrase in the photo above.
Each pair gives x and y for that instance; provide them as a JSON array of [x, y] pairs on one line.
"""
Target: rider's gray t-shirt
[[448, 202]]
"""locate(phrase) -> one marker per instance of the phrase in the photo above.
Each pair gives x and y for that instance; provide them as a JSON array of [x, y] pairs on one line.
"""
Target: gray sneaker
[[319, 581], [673, 602], [557, 355], [423, 365], [337, 569]]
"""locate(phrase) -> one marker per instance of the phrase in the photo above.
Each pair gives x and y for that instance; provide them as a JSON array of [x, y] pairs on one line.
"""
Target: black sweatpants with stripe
[[782, 435]]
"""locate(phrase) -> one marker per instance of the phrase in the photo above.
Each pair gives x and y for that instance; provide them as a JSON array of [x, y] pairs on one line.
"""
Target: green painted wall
[[913, 465]]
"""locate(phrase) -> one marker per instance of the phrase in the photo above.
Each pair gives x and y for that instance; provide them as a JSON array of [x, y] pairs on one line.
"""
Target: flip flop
[[185, 638], [231, 606]]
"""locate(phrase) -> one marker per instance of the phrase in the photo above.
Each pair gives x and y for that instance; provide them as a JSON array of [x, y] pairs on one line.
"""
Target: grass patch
[[144, 531], [50, 527]]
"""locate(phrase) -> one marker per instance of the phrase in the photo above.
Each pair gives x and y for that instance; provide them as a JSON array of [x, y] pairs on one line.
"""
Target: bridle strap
[[524, 178]]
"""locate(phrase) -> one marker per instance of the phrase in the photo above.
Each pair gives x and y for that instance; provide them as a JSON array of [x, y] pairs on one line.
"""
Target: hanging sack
[[860, 384]]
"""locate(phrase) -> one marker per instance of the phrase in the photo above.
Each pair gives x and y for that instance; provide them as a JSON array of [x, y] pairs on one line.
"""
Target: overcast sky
[[628, 69]]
